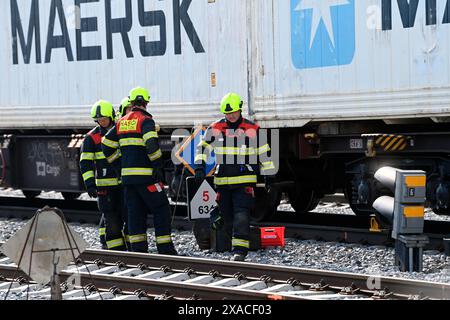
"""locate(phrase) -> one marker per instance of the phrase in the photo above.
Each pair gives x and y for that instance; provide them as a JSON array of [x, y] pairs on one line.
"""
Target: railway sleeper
[[157, 274]]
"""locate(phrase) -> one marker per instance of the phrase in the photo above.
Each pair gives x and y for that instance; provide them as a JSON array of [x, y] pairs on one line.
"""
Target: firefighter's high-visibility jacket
[[134, 141], [240, 152], [96, 171]]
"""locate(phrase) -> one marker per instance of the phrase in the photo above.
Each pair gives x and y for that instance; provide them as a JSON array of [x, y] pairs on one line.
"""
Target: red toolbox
[[272, 237]]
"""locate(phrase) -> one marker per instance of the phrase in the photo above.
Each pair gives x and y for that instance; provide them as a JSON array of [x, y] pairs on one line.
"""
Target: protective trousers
[[141, 200], [102, 232], [235, 205], [110, 204]]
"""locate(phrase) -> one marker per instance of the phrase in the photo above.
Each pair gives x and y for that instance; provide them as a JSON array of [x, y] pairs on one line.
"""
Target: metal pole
[[55, 290], [411, 259], [420, 267]]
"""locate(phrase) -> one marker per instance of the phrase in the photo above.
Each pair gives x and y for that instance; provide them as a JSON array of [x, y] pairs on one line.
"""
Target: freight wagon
[[350, 85]]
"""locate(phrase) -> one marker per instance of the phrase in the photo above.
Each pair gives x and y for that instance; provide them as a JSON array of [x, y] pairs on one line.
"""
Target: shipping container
[[350, 85], [294, 61]]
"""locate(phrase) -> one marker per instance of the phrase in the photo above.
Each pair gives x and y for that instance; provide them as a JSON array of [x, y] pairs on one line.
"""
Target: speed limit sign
[[201, 198]]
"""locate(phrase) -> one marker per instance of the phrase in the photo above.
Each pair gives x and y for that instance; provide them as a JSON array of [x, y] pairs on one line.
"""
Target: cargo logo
[[322, 32], [128, 125], [44, 170]]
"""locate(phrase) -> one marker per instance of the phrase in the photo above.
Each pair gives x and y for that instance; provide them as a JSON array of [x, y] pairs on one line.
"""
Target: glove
[[92, 192], [217, 222], [159, 174], [216, 219], [269, 181], [199, 175]]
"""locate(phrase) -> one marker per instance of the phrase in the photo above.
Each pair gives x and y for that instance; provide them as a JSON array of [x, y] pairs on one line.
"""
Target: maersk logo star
[[323, 32], [321, 12]]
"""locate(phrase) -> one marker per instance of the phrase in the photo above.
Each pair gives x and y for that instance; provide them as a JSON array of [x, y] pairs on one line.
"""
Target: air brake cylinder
[[363, 187], [442, 196], [406, 212], [442, 192]]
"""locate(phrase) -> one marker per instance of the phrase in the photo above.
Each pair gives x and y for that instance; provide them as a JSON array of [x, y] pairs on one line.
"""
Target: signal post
[[406, 213]]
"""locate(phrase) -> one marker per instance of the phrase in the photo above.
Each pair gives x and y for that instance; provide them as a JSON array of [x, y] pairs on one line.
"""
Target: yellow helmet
[[232, 102], [139, 93], [103, 109], [123, 105]]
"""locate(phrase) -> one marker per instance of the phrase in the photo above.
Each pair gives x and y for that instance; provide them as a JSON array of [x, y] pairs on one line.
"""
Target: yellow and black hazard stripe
[[391, 142]]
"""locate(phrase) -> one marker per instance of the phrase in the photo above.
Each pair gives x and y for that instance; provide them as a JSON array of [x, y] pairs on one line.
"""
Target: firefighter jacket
[[240, 153], [96, 171], [134, 142]]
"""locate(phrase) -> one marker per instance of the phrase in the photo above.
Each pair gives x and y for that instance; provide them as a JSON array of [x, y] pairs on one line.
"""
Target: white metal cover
[[44, 241], [294, 61]]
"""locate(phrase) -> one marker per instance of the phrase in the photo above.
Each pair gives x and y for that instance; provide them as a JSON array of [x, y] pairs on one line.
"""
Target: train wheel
[[70, 195], [303, 200], [266, 204], [348, 192], [31, 194]]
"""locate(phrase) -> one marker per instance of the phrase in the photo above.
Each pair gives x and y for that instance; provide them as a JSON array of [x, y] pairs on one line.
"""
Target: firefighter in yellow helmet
[[235, 143], [101, 179], [136, 139], [125, 107]]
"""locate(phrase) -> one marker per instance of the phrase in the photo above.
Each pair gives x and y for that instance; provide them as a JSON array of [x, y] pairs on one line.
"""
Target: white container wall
[[293, 61], [187, 53], [336, 60]]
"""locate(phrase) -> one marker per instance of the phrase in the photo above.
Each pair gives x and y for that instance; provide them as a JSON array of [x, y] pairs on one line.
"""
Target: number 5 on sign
[[203, 202]]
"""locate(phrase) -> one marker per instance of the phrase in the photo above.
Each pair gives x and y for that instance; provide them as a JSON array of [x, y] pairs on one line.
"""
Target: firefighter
[[136, 139], [101, 179], [102, 231], [239, 159], [125, 107]]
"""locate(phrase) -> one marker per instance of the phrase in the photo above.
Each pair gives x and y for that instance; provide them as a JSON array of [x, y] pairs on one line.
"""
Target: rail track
[[109, 275], [313, 225]]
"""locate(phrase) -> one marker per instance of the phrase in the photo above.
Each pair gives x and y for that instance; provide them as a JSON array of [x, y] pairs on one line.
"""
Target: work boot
[[171, 252], [238, 257]]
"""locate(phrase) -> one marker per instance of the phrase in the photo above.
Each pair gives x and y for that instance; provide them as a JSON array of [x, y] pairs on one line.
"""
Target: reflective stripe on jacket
[[135, 138], [240, 155], [95, 169]]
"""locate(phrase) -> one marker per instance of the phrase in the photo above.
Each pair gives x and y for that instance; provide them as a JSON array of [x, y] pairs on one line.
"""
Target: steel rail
[[305, 276], [180, 290], [308, 278]]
